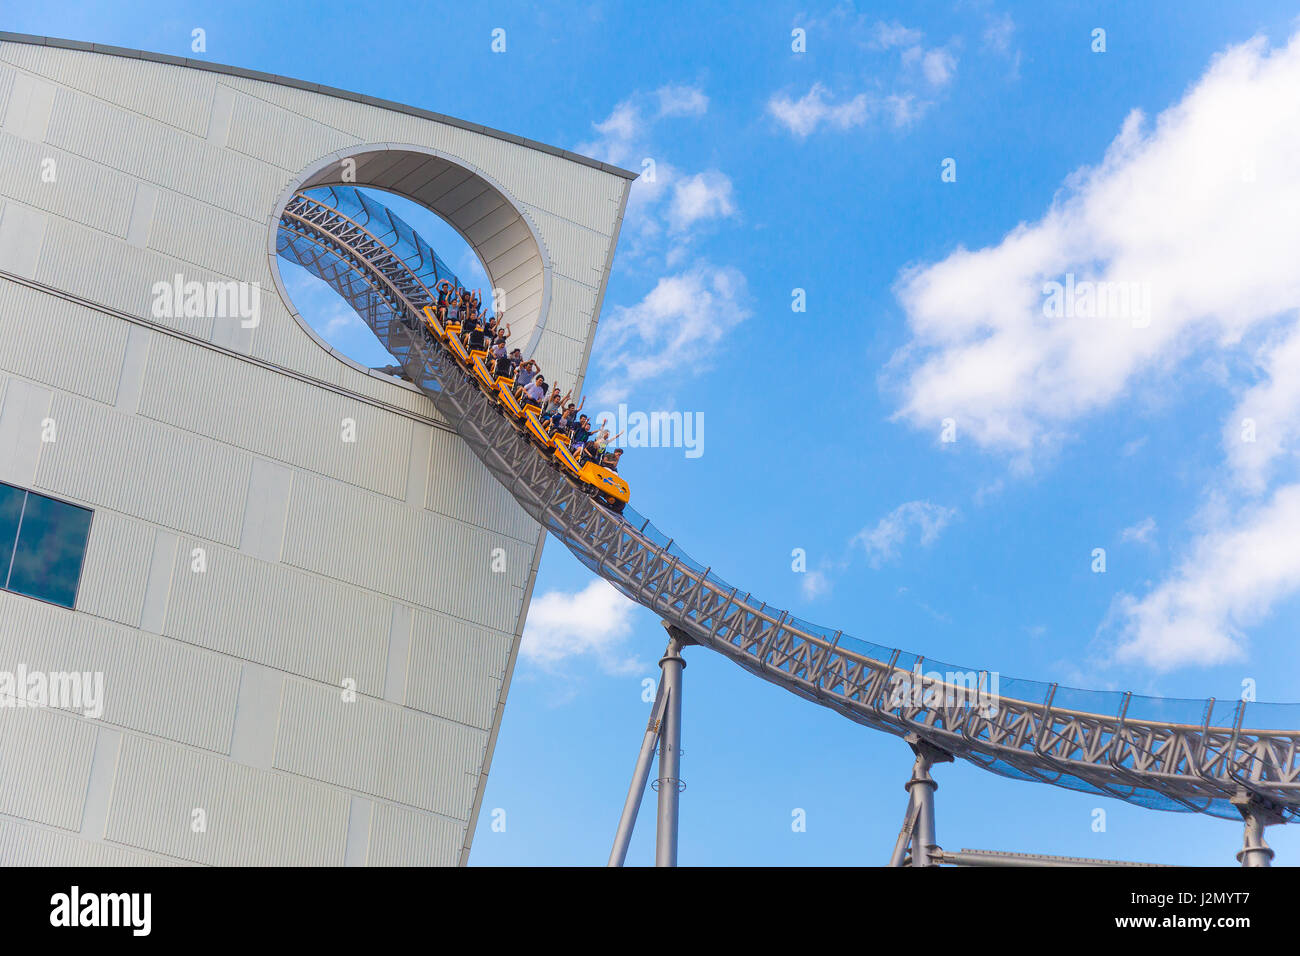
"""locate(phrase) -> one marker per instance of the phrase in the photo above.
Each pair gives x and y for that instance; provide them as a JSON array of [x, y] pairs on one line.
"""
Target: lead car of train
[[606, 486]]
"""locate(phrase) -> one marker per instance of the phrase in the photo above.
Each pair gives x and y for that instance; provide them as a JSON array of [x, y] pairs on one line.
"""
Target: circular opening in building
[[333, 299]]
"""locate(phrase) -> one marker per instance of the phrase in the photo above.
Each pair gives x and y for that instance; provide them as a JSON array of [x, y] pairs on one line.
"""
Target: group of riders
[[558, 415]]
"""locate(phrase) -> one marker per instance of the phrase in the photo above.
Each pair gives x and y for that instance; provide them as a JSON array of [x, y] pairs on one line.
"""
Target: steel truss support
[[1256, 813], [664, 729], [918, 821]]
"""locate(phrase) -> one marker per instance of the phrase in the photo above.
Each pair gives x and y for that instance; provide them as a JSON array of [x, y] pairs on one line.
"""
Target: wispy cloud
[[337, 325], [688, 311], [682, 100], [999, 33], [667, 206], [937, 66], [1142, 532], [998, 38], [885, 36], [882, 541], [701, 197], [814, 584], [1231, 580], [676, 326], [803, 116], [922, 72]]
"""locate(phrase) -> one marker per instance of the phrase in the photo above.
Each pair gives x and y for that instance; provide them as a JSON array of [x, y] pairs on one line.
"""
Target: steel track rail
[[1169, 765]]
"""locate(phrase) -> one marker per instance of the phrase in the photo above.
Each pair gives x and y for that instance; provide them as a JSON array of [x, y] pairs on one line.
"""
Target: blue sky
[[1166, 164]]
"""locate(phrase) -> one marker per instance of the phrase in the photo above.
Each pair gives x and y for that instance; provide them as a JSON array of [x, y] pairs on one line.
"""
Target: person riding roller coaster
[[517, 387], [440, 305], [476, 338]]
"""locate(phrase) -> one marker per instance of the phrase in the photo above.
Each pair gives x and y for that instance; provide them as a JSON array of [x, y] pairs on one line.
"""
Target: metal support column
[[905, 834], [918, 822], [640, 776], [670, 744], [1256, 814], [664, 729]]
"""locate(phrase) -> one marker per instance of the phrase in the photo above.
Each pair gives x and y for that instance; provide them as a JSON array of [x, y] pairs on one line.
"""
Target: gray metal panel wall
[[286, 623]]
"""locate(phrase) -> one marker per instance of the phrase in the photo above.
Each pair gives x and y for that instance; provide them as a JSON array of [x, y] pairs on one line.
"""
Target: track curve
[[1162, 753]]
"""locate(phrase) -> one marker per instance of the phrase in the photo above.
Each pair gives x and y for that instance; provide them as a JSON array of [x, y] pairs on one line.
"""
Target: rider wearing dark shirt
[[581, 431]]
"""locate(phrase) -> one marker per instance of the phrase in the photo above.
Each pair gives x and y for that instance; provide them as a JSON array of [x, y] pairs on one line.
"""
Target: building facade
[[299, 592]]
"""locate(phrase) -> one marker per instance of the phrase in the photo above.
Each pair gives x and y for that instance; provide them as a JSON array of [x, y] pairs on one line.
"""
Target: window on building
[[42, 545]]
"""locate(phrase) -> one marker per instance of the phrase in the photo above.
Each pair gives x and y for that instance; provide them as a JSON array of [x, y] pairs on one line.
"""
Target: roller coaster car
[[536, 430], [505, 392], [458, 349], [605, 485], [431, 320], [482, 374], [516, 411], [608, 487]]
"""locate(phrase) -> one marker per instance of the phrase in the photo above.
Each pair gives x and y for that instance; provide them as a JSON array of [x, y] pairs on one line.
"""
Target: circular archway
[[493, 224]]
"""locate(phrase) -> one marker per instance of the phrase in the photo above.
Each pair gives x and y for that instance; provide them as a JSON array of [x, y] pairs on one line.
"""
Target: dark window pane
[[11, 506], [51, 544]]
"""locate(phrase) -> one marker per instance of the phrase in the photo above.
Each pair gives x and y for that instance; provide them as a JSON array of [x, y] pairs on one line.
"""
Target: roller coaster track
[[1196, 756]]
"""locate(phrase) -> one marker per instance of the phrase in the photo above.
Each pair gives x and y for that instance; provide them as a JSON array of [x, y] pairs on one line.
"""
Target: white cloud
[[937, 63], [682, 101], [998, 34], [887, 35], [1141, 532], [663, 198], [340, 323], [680, 320], [814, 584], [802, 116], [817, 108], [624, 134], [1230, 581], [592, 622], [1134, 446], [938, 66], [676, 325], [1197, 208], [1266, 422], [618, 133], [700, 197], [904, 110], [882, 542]]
